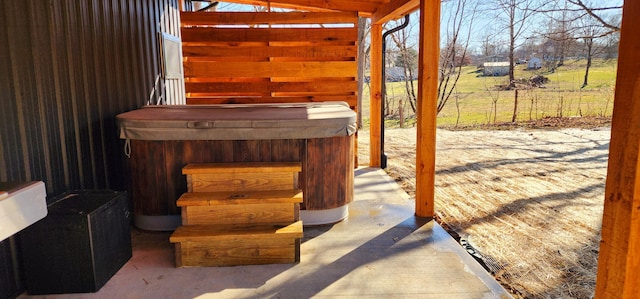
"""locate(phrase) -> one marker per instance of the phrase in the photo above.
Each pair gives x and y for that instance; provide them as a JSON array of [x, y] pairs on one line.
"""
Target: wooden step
[[232, 245], [255, 207], [192, 233], [203, 168], [256, 176], [239, 197]]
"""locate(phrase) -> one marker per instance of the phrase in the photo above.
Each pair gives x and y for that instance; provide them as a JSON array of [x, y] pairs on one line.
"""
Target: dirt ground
[[528, 202]]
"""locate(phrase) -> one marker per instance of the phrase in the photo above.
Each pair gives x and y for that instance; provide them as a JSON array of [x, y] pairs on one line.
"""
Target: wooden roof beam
[[394, 10], [363, 7]]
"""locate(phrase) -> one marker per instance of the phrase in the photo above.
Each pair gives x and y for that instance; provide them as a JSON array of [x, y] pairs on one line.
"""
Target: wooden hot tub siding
[[156, 168]]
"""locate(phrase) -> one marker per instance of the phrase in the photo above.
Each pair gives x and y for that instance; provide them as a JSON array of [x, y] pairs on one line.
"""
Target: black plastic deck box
[[83, 241], [10, 284]]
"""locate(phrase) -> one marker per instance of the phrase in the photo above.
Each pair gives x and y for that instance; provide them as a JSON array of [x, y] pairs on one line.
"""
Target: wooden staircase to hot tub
[[239, 214]]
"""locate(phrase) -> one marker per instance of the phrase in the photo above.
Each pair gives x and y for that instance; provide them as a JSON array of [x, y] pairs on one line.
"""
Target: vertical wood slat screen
[[269, 57]]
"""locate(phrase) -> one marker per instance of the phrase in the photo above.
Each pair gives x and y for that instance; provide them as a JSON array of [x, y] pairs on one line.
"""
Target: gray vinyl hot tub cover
[[238, 121]]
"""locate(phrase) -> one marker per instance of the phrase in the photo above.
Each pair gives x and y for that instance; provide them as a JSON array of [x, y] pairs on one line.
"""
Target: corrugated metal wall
[[67, 67]]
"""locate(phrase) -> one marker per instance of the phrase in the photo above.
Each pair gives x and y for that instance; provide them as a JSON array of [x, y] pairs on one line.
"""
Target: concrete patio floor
[[381, 250]]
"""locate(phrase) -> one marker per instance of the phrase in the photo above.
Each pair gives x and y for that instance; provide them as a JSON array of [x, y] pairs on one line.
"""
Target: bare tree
[[560, 30], [489, 46], [580, 9], [590, 31], [363, 31], [407, 59], [590, 25], [559, 39], [594, 12], [515, 13], [595, 24], [528, 48], [454, 56], [612, 41]]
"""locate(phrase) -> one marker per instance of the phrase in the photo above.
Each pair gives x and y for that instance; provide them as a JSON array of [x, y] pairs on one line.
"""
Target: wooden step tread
[[258, 213], [251, 167], [200, 233], [239, 197]]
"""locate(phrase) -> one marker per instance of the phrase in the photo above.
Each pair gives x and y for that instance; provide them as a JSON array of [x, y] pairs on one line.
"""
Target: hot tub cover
[[238, 121]]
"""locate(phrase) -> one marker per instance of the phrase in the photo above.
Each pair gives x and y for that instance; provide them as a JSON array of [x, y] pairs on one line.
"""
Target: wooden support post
[[619, 260], [375, 108], [426, 106]]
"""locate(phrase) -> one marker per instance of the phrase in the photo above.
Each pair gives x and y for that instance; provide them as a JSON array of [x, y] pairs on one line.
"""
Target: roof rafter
[[394, 10], [364, 8]]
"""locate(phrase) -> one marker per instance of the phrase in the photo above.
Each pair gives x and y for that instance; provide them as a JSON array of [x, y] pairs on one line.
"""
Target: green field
[[562, 96]]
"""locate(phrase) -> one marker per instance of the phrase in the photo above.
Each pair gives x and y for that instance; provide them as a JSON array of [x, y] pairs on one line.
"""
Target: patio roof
[[378, 10]]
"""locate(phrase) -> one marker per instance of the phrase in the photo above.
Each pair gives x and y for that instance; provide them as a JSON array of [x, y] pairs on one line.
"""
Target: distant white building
[[534, 63], [496, 68]]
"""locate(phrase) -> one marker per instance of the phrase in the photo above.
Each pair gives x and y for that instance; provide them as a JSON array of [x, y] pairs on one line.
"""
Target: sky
[[488, 20]]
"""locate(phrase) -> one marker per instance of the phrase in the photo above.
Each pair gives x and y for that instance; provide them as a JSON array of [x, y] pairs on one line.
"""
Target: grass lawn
[[480, 102]]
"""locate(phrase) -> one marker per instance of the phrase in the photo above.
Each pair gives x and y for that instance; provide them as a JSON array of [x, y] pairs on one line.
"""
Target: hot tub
[[160, 140]]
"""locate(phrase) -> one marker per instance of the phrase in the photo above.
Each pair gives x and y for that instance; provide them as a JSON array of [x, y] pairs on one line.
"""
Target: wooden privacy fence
[[269, 57]]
